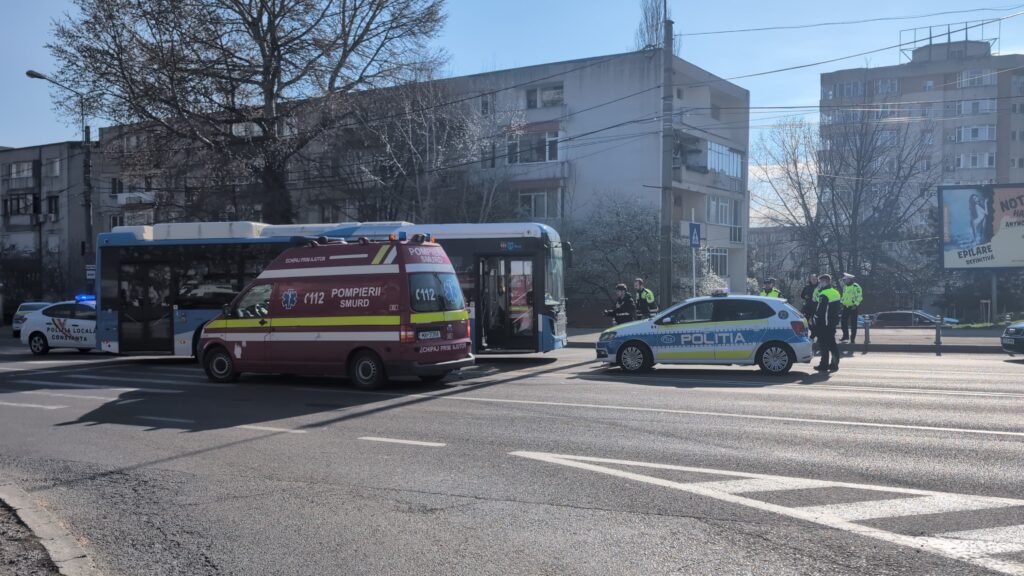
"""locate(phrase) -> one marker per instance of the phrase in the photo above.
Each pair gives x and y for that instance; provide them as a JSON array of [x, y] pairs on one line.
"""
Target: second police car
[[720, 329], [70, 324]]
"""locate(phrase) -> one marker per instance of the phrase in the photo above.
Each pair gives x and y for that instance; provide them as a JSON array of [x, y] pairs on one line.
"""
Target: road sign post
[[694, 244]]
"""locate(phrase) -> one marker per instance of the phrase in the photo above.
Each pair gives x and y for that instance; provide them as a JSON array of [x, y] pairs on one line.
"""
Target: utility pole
[[667, 144]]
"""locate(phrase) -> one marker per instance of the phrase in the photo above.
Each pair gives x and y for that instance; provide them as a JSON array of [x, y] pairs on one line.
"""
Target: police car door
[[681, 335], [57, 325], [739, 327]]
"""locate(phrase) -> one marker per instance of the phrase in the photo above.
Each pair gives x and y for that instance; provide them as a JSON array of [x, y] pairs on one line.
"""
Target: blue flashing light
[[402, 236], [85, 298]]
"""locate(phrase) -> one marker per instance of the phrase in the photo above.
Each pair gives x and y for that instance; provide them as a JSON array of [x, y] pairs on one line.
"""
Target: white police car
[[69, 324], [720, 329]]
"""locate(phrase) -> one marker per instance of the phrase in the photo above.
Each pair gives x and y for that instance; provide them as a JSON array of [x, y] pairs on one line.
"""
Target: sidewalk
[[961, 341]]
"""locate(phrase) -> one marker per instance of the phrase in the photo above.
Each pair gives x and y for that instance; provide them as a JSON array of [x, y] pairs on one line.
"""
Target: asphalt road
[[898, 464]]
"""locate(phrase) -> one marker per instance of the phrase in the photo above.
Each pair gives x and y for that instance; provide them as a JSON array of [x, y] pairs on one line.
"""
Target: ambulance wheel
[[431, 378], [775, 358], [219, 365], [37, 344], [367, 371], [635, 357]]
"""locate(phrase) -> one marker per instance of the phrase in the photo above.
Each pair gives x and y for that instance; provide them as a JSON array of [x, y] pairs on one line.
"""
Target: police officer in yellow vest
[[826, 318], [852, 297], [645, 306], [770, 290]]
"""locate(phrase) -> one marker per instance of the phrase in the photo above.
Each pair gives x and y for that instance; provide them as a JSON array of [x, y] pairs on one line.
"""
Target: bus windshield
[[435, 292], [554, 282]]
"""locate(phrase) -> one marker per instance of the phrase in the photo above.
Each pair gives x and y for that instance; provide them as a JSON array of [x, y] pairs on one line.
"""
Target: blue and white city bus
[[157, 285]]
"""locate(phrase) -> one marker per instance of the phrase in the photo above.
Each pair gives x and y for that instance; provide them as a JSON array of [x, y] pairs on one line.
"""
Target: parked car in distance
[[70, 324], [945, 319], [22, 312], [903, 319], [1012, 339]]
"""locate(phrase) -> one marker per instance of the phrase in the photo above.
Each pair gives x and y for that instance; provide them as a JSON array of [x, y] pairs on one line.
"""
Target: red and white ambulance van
[[373, 310]]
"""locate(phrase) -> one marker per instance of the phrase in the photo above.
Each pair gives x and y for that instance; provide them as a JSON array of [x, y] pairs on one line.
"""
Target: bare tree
[[650, 32], [253, 81], [850, 190]]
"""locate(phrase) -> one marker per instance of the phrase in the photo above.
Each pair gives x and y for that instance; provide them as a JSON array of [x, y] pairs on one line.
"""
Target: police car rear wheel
[[635, 357], [38, 345], [775, 358], [367, 371], [219, 366]]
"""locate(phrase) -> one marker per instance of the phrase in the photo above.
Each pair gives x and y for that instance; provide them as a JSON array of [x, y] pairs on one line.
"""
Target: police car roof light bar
[[84, 298]]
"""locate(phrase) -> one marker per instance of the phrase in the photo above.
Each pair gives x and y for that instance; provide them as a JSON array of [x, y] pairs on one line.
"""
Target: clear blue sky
[[484, 35]]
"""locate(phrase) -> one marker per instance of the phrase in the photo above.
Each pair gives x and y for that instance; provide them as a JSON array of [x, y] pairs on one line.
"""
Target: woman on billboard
[[979, 214]]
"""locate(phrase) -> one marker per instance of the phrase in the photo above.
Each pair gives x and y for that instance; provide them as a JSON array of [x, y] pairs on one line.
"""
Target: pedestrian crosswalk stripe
[[978, 547]]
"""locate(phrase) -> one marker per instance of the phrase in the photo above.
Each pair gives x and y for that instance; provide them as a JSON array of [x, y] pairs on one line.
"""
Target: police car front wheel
[[775, 358], [635, 357], [38, 345]]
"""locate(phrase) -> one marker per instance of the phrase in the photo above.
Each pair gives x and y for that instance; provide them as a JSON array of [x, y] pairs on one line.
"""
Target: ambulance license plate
[[429, 335]]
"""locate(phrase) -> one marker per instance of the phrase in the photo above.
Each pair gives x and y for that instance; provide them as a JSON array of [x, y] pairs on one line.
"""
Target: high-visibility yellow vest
[[774, 293], [852, 295], [831, 293]]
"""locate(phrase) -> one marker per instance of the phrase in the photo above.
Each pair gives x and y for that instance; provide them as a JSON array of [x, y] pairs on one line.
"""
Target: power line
[[849, 22]]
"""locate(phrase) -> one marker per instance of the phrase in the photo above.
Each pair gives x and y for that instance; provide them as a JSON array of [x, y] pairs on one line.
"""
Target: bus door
[[505, 314], [145, 320]]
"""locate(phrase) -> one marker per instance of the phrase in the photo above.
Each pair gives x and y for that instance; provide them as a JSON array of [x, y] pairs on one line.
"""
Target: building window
[[724, 159], [718, 261], [116, 220], [246, 130], [532, 147], [969, 107], [544, 96], [1013, 162], [928, 86], [990, 160], [486, 104], [716, 112], [679, 93], [116, 186], [19, 205], [53, 167], [984, 132], [541, 204], [977, 77], [1013, 135], [53, 206], [850, 89], [887, 87], [488, 153]]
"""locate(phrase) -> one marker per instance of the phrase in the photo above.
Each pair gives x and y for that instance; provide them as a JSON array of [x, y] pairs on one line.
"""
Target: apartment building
[[42, 222], [555, 141], [968, 102]]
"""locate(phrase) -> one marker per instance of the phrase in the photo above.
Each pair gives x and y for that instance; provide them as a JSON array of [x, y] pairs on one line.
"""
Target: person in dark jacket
[[826, 319], [625, 309], [810, 302]]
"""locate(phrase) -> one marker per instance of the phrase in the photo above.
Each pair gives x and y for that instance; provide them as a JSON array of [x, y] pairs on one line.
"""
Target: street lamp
[[86, 156]]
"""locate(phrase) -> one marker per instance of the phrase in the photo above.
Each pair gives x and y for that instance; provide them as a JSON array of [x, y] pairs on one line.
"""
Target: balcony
[[135, 198], [20, 183]]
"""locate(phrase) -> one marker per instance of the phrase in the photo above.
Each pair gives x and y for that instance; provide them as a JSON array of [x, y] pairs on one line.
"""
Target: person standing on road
[[645, 306], [625, 309], [825, 322], [851, 300], [770, 290], [809, 295]]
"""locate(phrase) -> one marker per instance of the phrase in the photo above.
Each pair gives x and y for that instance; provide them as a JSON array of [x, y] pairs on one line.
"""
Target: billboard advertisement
[[982, 226]]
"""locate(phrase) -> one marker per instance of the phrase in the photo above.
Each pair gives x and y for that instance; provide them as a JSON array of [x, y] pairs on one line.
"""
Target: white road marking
[[398, 441], [963, 549], [143, 379], [40, 406], [854, 511], [165, 419], [764, 484], [854, 423], [270, 429], [94, 386], [65, 395], [988, 541]]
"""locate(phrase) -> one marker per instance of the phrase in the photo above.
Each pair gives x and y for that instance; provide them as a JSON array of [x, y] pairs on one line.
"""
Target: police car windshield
[[434, 292]]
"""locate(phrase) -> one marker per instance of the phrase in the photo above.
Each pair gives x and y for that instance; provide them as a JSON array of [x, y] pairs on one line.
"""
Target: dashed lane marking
[[399, 441], [270, 429], [66, 395], [977, 547], [142, 379], [92, 387], [165, 419], [40, 406]]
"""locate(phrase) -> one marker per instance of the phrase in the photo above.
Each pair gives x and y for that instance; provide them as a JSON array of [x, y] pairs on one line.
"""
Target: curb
[[64, 550], [905, 348]]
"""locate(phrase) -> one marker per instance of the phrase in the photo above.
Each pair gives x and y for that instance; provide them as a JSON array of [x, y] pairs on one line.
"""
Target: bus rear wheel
[[367, 371], [219, 366]]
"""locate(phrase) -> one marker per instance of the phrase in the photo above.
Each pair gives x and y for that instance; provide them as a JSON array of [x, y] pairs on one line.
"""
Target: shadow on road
[[681, 377]]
